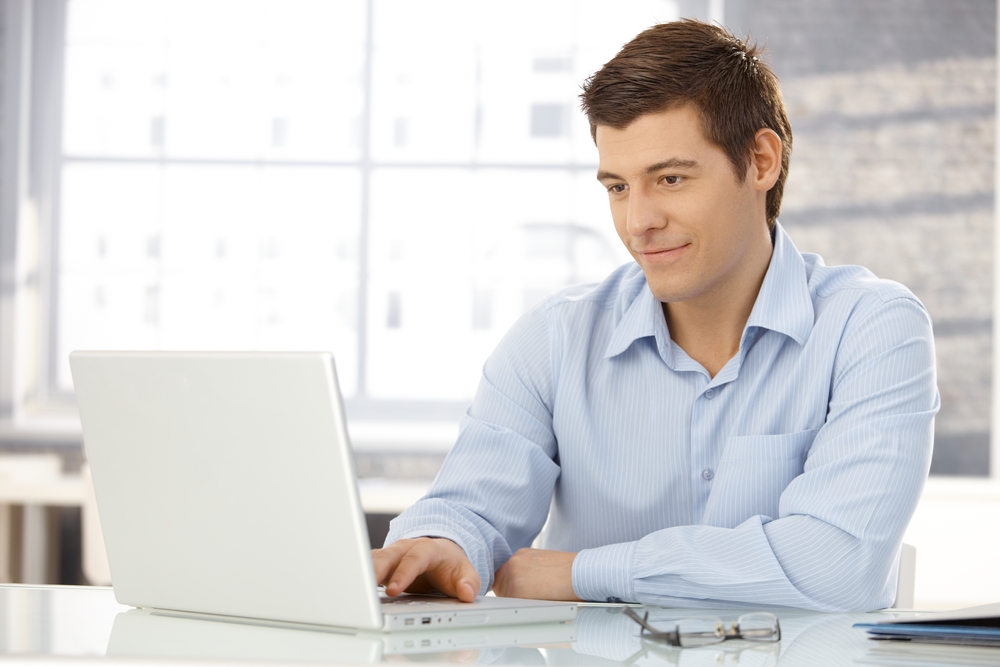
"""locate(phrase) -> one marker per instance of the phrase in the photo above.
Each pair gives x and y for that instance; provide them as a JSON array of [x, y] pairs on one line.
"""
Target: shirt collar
[[783, 305], [642, 317]]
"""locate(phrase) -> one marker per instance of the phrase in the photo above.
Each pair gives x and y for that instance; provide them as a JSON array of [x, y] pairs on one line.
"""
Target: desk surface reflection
[[87, 622]]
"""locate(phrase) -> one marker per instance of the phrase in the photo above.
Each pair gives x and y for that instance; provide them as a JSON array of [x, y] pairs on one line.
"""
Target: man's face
[[677, 206]]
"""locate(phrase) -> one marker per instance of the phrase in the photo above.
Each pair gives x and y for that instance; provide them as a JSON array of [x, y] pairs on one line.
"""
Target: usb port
[[409, 621], [426, 620]]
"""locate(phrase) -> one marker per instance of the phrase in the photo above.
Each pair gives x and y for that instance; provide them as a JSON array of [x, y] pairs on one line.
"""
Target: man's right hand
[[425, 564]]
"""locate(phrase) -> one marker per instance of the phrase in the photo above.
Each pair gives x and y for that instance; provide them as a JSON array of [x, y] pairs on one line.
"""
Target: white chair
[[906, 577]]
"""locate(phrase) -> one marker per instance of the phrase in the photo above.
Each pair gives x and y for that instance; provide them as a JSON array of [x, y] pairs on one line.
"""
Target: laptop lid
[[225, 484]]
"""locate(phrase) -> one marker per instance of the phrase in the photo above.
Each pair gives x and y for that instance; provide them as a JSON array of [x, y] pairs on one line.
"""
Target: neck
[[709, 327]]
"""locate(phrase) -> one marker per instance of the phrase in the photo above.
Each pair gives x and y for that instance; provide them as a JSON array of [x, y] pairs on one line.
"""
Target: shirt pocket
[[787, 446], [753, 472]]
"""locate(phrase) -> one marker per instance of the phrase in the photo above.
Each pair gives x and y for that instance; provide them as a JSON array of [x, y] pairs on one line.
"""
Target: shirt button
[[707, 474], [710, 393]]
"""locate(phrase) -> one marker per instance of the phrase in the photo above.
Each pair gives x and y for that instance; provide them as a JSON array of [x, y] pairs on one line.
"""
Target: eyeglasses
[[687, 633]]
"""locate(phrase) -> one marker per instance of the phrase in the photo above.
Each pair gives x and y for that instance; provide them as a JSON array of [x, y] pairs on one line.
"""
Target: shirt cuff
[[604, 574]]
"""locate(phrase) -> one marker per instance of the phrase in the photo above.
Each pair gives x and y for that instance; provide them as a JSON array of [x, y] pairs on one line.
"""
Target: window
[[397, 181], [389, 180]]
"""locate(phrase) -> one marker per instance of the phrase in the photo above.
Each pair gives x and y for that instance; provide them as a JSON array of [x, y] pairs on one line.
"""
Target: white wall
[[956, 530]]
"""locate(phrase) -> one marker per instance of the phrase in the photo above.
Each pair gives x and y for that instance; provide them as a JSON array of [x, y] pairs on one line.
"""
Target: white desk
[[51, 623]]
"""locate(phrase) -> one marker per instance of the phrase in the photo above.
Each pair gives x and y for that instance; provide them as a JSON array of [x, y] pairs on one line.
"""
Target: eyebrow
[[672, 163]]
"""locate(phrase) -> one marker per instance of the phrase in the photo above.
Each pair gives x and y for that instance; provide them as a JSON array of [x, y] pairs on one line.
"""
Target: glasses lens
[[761, 627], [700, 631]]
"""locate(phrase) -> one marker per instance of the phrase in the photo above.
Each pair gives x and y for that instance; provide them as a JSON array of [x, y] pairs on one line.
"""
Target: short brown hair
[[690, 62]]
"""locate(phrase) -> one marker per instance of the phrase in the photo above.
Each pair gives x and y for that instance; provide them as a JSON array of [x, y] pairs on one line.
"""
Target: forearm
[[833, 548], [823, 569]]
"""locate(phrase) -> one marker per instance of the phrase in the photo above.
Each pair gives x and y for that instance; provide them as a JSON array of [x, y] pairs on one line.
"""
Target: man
[[726, 419]]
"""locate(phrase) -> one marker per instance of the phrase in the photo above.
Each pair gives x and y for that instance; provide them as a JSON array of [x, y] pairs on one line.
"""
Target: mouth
[[657, 256]]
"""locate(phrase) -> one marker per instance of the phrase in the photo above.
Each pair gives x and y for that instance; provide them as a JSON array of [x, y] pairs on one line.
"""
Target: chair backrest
[[906, 578]]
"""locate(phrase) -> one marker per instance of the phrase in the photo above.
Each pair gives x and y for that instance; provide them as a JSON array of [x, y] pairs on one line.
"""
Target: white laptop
[[226, 485]]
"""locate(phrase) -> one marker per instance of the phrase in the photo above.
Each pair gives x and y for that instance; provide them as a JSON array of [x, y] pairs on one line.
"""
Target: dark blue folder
[[976, 626]]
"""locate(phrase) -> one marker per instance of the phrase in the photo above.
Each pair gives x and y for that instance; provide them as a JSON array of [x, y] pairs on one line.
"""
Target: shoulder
[[857, 289], [868, 317]]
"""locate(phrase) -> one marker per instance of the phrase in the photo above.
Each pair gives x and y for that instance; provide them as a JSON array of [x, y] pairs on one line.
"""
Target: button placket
[[705, 414]]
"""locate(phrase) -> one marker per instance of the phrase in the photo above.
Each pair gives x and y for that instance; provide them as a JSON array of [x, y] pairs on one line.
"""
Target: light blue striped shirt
[[787, 479]]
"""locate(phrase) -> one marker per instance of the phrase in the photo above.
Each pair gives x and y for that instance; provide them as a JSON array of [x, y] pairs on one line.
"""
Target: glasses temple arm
[[641, 620]]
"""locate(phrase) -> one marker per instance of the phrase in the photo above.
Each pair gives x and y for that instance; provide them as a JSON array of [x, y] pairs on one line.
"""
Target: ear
[[766, 160]]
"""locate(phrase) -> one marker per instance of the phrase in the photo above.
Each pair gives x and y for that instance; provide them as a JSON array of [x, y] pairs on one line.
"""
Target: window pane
[[492, 82], [209, 257], [179, 227], [219, 80], [457, 255]]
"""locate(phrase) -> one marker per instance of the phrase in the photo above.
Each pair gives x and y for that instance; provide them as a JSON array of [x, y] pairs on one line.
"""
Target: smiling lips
[[661, 256]]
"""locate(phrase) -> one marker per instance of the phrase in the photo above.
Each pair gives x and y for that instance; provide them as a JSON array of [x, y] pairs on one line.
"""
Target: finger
[[451, 573], [467, 581], [385, 560], [412, 564], [382, 563], [463, 588], [467, 590]]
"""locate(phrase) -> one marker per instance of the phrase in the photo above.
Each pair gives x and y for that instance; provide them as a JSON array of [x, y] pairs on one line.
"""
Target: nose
[[644, 213]]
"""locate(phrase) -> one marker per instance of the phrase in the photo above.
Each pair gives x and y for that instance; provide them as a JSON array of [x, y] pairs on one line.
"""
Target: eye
[[671, 180], [617, 188]]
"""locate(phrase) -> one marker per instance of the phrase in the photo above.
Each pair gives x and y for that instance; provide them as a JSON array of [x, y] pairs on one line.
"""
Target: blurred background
[[397, 181]]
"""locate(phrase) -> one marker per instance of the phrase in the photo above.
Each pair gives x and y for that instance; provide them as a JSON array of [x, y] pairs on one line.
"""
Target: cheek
[[726, 233], [719, 213]]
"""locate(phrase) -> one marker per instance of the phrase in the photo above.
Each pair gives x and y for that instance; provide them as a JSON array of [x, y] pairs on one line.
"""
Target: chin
[[667, 287], [671, 293]]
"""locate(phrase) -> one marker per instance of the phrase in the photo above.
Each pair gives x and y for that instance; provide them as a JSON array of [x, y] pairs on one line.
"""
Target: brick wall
[[892, 104]]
